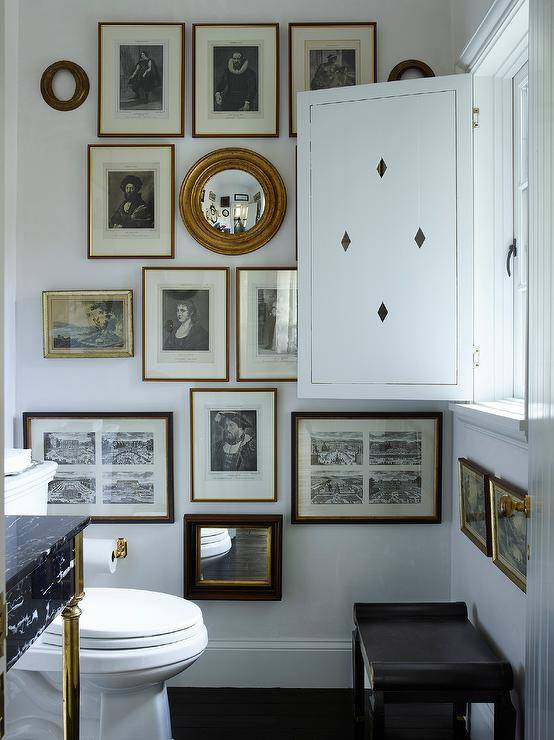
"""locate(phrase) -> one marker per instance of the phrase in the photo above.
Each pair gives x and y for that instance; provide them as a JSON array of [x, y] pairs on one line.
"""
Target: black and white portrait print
[[141, 69], [72, 487], [233, 441], [70, 448], [131, 199], [128, 487], [186, 320], [127, 448], [332, 68], [277, 325], [395, 487], [336, 488], [395, 448], [235, 79], [337, 448]]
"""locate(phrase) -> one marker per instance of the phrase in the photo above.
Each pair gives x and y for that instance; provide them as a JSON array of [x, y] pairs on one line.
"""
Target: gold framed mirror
[[232, 201]]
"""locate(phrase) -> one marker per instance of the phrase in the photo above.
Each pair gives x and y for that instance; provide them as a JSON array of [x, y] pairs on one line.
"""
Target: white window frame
[[494, 59]]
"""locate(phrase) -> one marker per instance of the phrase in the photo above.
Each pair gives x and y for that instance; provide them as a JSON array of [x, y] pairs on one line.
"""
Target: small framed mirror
[[232, 201], [233, 557]]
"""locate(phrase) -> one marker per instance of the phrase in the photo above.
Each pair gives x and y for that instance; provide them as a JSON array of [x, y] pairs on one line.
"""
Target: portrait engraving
[[332, 68], [235, 79], [186, 320], [131, 199], [277, 325], [141, 69], [233, 441]]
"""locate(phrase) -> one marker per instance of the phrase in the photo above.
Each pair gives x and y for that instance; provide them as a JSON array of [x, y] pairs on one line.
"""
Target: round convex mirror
[[233, 201]]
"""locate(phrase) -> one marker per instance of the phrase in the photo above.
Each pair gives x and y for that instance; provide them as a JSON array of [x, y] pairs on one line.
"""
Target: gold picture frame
[[474, 499], [98, 323], [509, 512], [194, 186]]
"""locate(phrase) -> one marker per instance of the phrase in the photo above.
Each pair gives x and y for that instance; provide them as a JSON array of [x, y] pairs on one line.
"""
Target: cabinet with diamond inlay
[[385, 241]]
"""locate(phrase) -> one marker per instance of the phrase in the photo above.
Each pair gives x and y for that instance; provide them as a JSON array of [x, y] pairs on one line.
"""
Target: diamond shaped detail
[[381, 167], [419, 238], [382, 312], [345, 241]]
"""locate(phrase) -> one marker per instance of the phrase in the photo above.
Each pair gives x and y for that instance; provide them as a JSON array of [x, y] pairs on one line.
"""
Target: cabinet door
[[385, 241]]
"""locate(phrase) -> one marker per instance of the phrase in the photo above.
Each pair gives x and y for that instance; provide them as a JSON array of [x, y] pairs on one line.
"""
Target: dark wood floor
[[292, 714]]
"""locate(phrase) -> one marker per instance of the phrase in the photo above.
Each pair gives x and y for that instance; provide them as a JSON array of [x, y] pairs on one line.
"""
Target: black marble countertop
[[31, 539]]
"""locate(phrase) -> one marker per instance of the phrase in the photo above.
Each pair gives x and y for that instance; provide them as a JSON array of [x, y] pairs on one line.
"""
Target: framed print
[[366, 467], [233, 557], [235, 79], [325, 55], [509, 511], [474, 504], [233, 444], [267, 323], [185, 324], [141, 79], [131, 207], [87, 323], [114, 467]]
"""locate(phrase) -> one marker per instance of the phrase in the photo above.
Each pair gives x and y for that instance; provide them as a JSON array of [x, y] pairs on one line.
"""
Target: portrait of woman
[[186, 318]]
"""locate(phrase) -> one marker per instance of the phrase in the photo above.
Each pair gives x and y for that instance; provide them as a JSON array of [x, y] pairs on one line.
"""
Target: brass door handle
[[120, 550], [508, 505]]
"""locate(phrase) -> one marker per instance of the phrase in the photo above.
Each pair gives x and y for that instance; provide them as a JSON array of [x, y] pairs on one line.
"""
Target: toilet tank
[[27, 492]]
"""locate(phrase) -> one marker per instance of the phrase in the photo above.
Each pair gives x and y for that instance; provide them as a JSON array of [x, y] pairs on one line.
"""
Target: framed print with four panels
[[325, 55], [87, 323], [267, 323], [131, 206], [185, 324], [233, 444], [114, 467], [366, 467], [235, 79], [141, 79]]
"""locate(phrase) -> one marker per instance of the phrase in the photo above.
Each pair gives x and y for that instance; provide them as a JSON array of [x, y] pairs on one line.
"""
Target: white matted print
[[185, 323], [267, 324], [233, 444], [141, 79], [236, 79], [326, 55], [366, 467], [111, 467], [131, 203]]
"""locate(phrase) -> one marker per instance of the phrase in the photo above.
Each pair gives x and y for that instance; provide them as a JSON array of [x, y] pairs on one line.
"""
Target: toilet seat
[[126, 618]]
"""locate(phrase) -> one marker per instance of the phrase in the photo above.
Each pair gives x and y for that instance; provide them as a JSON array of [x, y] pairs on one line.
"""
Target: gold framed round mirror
[[233, 201]]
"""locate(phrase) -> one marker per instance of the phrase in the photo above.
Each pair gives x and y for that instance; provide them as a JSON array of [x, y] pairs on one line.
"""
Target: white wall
[[466, 19], [326, 568]]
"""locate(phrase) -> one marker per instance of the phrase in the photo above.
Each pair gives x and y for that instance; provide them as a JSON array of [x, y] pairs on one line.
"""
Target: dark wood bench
[[427, 653]]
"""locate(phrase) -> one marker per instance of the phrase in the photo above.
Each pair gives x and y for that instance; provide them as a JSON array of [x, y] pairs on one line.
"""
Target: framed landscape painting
[[87, 323], [131, 205], [366, 467], [114, 467], [474, 504], [509, 530], [235, 79], [233, 444], [141, 79], [267, 323], [326, 55]]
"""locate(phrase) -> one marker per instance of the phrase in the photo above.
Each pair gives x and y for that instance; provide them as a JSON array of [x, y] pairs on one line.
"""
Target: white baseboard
[[482, 722], [271, 663]]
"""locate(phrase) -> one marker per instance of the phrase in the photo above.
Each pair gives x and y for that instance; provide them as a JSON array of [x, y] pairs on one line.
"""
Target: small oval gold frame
[[82, 85], [233, 159], [397, 71]]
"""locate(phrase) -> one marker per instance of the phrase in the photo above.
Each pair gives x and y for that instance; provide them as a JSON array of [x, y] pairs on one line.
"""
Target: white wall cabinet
[[385, 241]]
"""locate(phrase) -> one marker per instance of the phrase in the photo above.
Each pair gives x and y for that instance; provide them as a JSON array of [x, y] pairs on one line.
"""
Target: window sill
[[503, 418]]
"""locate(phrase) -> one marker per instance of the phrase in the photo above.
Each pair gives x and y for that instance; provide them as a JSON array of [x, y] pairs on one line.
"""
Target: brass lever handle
[[120, 550], [508, 505]]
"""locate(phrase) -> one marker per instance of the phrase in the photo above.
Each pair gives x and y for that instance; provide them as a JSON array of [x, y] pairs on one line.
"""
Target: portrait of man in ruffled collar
[[236, 79]]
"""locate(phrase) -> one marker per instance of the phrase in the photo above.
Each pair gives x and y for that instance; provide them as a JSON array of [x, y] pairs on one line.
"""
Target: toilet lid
[[129, 617]]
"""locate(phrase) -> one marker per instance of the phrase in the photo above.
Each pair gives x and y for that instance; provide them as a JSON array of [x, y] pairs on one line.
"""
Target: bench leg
[[459, 712], [378, 719], [504, 718], [358, 678]]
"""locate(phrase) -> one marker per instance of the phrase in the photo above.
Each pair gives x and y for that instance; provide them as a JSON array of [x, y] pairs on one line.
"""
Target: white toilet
[[214, 543]]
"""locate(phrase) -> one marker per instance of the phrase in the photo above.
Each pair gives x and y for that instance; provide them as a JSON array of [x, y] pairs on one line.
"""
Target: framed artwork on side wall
[[141, 79], [185, 323], [509, 511], [131, 207], [325, 55], [366, 467], [235, 79], [474, 504], [114, 467], [233, 444], [87, 323]]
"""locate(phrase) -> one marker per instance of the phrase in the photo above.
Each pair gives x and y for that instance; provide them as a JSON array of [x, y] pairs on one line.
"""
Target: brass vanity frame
[[70, 647]]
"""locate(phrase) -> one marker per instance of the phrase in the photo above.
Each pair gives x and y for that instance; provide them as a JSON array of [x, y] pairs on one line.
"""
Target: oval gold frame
[[236, 159], [82, 85], [398, 70]]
